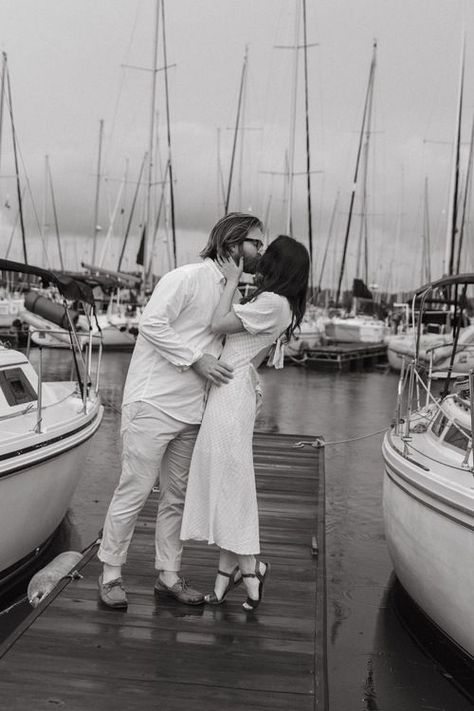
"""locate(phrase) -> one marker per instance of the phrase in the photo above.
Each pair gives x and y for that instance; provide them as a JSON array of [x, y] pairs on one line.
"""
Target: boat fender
[[43, 582]]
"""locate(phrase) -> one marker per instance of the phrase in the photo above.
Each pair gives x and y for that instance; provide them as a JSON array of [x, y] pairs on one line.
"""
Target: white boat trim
[[70, 439]]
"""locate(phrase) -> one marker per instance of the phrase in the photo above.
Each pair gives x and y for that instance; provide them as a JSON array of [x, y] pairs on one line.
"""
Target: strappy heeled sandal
[[212, 598], [251, 604]]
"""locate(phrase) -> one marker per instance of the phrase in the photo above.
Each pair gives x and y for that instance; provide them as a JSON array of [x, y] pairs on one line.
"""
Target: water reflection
[[412, 665]]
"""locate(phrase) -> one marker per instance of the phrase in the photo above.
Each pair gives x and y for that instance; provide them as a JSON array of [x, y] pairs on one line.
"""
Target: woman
[[221, 500]]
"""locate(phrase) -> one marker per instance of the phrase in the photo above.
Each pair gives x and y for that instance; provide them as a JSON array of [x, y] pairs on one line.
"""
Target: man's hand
[[209, 368]]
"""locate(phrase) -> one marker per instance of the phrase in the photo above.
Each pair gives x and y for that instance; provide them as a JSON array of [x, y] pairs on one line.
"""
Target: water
[[381, 654]]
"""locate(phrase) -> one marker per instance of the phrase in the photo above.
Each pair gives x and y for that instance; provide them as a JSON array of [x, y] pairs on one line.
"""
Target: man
[[175, 357]]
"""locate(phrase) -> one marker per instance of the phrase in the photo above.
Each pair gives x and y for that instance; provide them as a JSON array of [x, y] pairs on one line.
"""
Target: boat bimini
[[428, 499], [45, 433]]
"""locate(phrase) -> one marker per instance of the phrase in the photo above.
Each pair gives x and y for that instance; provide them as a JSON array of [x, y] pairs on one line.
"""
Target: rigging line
[[267, 135], [356, 172], [454, 194], [355, 439], [17, 217], [27, 187], [168, 130], [157, 224], [55, 214], [236, 131], [15, 153], [122, 79], [132, 210], [328, 240]]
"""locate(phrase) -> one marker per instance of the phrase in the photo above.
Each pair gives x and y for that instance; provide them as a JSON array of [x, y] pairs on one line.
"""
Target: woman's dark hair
[[229, 230], [284, 269]]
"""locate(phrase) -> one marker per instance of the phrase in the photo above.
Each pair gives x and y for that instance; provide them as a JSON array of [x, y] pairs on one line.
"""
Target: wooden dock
[[345, 356], [74, 654]]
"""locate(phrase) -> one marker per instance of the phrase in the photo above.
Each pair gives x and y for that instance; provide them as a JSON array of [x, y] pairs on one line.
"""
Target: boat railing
[[81, 353], [411, 383], [460, 346]]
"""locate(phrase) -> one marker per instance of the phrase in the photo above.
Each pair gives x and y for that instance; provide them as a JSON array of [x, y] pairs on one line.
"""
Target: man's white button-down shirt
[[174, 331]]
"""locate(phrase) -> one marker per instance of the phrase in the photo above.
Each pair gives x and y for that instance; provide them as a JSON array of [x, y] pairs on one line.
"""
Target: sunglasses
[[257, 243]]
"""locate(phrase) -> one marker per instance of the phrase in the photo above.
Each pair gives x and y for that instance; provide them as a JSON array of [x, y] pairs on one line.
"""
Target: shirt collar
[[218, 275]]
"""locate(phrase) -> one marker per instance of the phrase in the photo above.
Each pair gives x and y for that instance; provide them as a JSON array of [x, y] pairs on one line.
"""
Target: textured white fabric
[[174, 331], [221, 500]]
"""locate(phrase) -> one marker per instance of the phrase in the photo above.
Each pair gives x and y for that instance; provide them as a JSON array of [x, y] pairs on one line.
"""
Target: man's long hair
[[284, 269], [230, 230]]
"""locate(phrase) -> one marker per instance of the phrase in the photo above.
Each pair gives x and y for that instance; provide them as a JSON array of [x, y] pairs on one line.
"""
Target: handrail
[[471, 399], [460, 346], [39, 406], [86, 365]]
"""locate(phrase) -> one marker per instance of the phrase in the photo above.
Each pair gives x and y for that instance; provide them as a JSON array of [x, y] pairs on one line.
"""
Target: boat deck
[[344, 356], [72, 653]]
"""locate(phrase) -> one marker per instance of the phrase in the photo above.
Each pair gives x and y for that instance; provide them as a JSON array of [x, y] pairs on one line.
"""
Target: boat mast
[[356, 172], [467, 191], [236, 131], [2, 97], [15, 153], [291, 143], [147, 230], [308, 152], [426, 251], [97, 190], [168, 131], [363, 232], [454, 188]]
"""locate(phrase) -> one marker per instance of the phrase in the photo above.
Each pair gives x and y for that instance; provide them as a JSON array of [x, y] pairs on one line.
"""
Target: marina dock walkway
[[74, 654]]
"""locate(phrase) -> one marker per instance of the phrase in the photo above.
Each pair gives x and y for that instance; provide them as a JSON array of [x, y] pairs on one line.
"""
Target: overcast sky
[[66, 62]]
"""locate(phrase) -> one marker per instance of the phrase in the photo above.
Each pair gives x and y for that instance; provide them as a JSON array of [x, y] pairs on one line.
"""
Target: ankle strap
[[226, 575], [249, 575]]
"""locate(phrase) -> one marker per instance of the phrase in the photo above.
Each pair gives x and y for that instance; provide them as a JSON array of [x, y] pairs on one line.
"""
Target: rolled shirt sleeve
[[170, 297]]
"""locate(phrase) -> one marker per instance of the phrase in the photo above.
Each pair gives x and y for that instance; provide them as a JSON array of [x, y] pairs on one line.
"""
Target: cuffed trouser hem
[[110, 559]]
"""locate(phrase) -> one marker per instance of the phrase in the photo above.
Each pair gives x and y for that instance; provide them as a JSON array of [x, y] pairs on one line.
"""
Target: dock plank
[[76, 654]]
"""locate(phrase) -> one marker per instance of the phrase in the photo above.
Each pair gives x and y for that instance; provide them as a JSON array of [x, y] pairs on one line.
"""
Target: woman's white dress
[[221, 499]]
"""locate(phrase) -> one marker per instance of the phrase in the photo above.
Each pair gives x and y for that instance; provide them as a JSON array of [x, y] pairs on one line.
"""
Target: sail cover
[[70, 288]]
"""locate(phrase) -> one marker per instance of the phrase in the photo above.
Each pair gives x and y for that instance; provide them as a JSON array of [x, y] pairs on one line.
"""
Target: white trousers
[[152, 443]]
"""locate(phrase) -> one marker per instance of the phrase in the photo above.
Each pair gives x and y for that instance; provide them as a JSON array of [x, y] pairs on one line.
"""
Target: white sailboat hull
[[429, 527], [402, 346], [355, 330], [49, 335], [46, 429], [26, 520]]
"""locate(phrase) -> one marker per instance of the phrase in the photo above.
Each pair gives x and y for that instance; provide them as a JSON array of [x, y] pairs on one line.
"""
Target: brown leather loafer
[[180, 591], [113, 593]]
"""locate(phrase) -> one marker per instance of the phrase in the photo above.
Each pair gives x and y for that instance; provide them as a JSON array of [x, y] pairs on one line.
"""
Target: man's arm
[[170, 297]]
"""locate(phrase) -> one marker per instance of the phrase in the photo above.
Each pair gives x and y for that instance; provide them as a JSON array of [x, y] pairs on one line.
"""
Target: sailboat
[[428, 499], [355, 326], [45, 436]]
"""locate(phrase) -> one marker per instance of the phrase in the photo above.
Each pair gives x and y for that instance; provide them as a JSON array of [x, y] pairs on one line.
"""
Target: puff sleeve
[[266, 315]]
